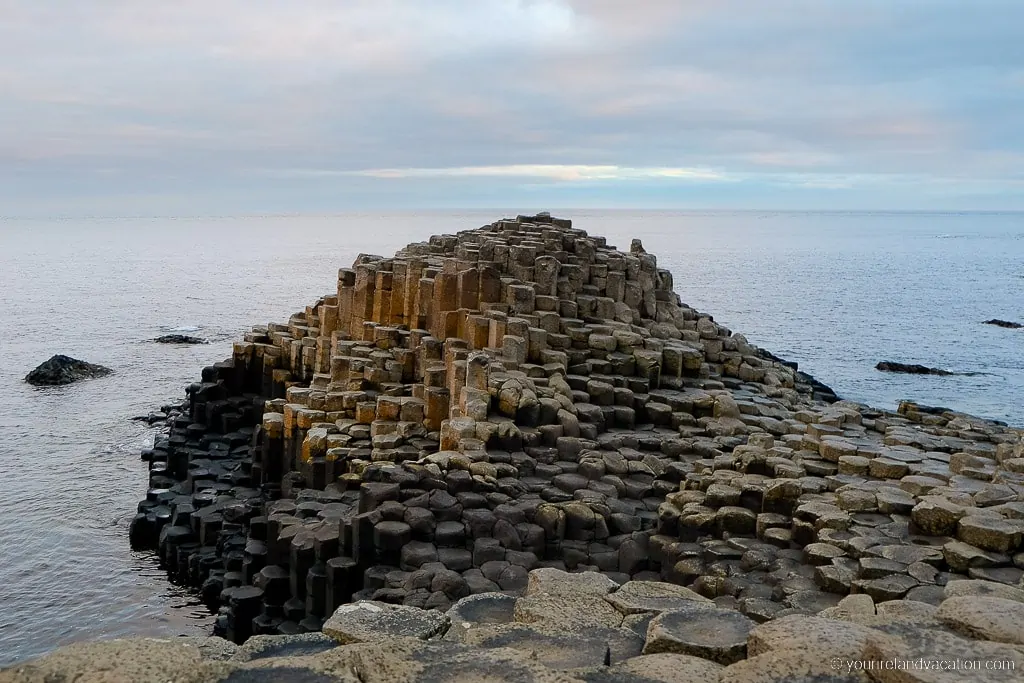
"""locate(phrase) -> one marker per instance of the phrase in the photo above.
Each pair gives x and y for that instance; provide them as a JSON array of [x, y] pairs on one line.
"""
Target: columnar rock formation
[[525, 395]]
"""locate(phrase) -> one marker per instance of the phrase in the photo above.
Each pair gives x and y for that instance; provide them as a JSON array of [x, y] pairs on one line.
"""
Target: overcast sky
[[240, 106]]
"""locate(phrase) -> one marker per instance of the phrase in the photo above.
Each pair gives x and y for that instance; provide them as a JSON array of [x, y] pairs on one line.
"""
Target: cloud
[[559, 172], [397, 100]]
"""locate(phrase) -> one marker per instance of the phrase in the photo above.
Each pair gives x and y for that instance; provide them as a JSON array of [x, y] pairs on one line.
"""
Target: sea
[[837, 292]]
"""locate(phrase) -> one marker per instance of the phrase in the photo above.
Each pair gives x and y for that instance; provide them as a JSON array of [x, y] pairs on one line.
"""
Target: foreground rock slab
[[700, 630], [687, 641], [367, 620]]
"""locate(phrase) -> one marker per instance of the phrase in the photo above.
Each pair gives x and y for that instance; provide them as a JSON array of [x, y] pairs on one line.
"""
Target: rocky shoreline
[[585, 628], [524, 400]]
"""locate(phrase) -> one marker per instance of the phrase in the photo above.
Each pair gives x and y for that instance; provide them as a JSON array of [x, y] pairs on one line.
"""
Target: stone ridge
[[639, 632], [526, 396]]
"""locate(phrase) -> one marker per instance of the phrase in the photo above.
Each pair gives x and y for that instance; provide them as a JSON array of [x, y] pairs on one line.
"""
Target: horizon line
[[504, 211]]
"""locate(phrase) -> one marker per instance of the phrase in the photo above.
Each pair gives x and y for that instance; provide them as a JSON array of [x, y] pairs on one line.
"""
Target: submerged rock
[[179, 339], [911, 368], [64, 370], [1004, 323]]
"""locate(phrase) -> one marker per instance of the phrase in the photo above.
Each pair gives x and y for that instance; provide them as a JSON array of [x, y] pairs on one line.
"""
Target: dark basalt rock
[[64, 370], [1010, 325], [911, 369], [179, 339]]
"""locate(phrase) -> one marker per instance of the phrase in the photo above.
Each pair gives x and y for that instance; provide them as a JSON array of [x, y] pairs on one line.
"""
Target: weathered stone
[[891, 587], [651, 596], [962, 557], [984, 589], [934, 645], [659, 668], [476, 610], [985, 618], [561, 600], [988, 533], [790, 666], [558, 648], [367, 621], [300, 645], [825, 637], [142, 660], [856, 605], [700, 630], [389, 660]]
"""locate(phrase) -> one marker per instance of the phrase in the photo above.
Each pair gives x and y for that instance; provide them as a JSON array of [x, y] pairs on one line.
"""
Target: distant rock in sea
[[911, 369], [64, 370], [179, 339], [1004, 323]]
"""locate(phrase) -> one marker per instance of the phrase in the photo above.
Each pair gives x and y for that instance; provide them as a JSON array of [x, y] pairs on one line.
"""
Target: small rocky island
[[1008, 324], [513, 454], [180, 339], [62, 369], [911, 369]]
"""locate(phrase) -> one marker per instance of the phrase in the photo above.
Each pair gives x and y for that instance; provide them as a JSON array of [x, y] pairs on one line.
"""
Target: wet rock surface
[[62, 369], [523, 410]]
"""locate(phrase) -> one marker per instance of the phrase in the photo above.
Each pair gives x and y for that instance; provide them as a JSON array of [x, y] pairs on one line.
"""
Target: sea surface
[[836, 292]]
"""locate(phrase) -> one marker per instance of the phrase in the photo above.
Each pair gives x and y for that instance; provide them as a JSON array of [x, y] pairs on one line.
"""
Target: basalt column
[[523, 395]]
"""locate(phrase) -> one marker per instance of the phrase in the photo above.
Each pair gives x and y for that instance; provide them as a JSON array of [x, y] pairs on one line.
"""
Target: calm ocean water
[[837, 292]]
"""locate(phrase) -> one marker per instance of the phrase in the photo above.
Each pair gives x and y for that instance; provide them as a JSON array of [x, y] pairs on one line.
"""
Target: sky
[[139, 107]]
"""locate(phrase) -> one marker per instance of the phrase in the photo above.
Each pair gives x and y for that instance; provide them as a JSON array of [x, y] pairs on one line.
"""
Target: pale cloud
[[402, 102], [549, 171], [356, 34]]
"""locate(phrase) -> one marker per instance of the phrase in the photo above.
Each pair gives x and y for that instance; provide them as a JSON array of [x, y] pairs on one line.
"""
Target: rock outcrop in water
[[1004, 323], [525, 396], [911, 369], [179, 339], [61, 369]]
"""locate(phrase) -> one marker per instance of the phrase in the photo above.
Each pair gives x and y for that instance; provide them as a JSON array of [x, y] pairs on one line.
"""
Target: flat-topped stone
[[965, 659], [701, 630], [664, 667], [828, 637], [983, 588], [791, 666], [651, 596], [984, 617], [366, 620], [558, 648]]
